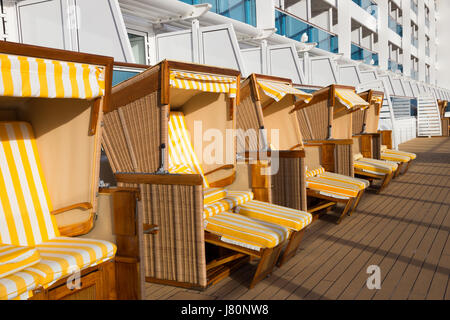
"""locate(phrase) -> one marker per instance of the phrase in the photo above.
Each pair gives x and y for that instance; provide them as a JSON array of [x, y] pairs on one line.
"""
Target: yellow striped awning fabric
[[203, 82], [277, 90], [14, 258], [350, 99], [25, 207], [246, 232], [289, 218], [33, 77], [336, 189], [181, 152]]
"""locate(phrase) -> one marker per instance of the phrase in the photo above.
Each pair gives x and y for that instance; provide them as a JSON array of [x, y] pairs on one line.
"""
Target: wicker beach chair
[[290, 182], [325, 125], [188, 231], [365, 125], [50, 108]]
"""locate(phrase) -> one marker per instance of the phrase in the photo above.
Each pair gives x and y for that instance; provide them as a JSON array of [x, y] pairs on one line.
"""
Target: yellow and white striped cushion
[[215, 208], [34, 77], [378, 167], [236, 198], [315, 172], [25, 218], [181, 152], [63, 256], [283, 216], [18, 286], [411, 155], [246, 232], [14, 258], [360, 183], [332, 188], [211, 195], [394, 157], [181, 168]]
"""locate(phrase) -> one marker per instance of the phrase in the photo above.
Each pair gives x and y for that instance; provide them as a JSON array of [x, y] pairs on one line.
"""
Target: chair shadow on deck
[[388, 254]]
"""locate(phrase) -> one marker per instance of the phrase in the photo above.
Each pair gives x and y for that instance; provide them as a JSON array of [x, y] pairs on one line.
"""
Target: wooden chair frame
[[129, 278], [261, 185], [96, 282]]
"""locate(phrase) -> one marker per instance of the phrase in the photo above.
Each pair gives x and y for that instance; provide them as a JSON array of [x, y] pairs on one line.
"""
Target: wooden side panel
[[261, 184]]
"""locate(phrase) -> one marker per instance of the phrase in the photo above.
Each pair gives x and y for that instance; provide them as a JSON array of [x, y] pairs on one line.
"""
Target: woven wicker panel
[[246, 119], [313, 121], [132, 136], [343, 158], [357, 122], [303, 123], [288, 185], [376, 146], [177, 251]]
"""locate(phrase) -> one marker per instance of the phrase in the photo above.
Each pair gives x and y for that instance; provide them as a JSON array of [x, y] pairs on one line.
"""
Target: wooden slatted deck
[[404, 230]]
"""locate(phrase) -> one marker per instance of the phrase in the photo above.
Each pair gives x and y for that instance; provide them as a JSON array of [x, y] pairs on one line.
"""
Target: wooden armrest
[[82, 205], [112, 190], [331, 141], [226, 166], [165, 179], [256, 155]]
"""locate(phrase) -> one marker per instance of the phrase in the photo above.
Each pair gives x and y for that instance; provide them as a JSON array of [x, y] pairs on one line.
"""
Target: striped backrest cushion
[[211, 195], [181, 168], [25, 218], [315, 172], [181, 151]]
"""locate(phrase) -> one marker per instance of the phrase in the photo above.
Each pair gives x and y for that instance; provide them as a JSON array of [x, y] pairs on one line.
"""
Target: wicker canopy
[[366, 121]]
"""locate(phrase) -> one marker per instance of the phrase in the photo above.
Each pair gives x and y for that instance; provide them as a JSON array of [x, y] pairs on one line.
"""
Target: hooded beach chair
[[266, 103], [365, 127], [327, 139], [51, 103], [328, 121], [190, 234]]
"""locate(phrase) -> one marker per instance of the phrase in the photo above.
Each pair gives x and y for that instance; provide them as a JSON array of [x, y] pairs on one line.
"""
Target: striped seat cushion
[[410, 155], [63, 256], [378, 167], [360, 183], [289, 218], [332, 188], [18, 285], [246, 232], [14, 258], [394, 157], [236, 198], [211, 195], [25, 218]]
